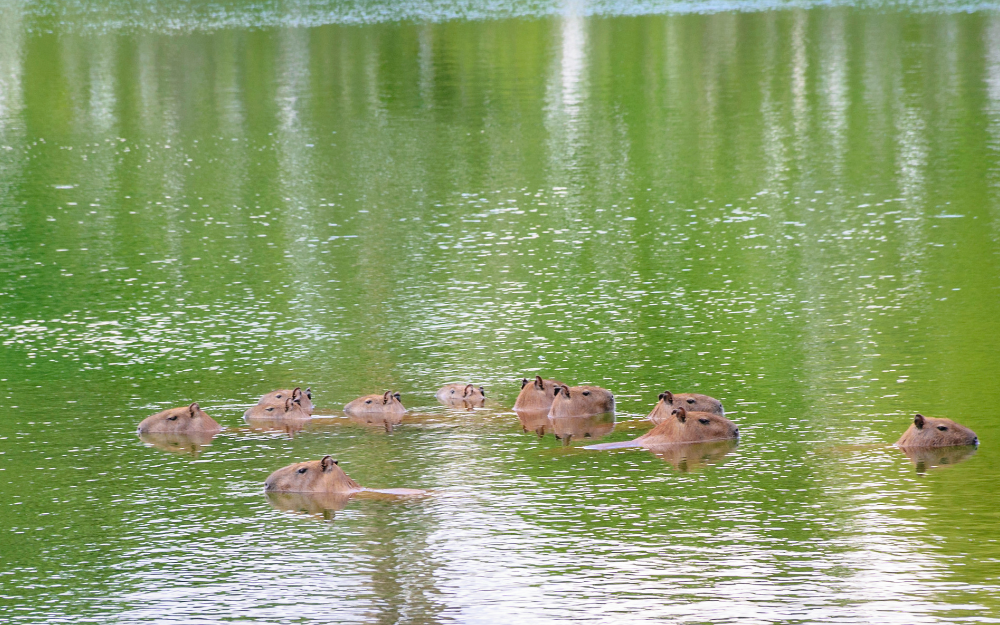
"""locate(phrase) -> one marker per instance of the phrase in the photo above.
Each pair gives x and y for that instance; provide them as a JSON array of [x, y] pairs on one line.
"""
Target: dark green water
[[795, 210]]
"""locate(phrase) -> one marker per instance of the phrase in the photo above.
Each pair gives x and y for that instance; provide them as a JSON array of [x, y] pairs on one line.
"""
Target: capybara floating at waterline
[[690, 427], [386, 403], [936, 432], [691, 402], [462, 395], [323, 476], [278, 397], [183, 420], [537, 394], [288, 408], [580, 401]]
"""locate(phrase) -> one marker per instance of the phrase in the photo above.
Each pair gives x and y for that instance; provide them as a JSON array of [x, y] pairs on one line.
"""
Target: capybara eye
[[368, 401], [277, 396], [303, 470], [942, 427], [690, 401], [269, 409], [173, 418], [703, 421], [586, 392]]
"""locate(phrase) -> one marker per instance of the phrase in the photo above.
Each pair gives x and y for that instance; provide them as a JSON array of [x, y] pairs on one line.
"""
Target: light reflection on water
[[793, 211]]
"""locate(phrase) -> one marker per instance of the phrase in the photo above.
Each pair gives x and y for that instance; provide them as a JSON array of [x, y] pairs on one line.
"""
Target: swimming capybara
[[186, 419], [461, 395], [936, 432], [287, 408], [388, 403], [279, 396], [579, 401], [593, 426], [690, 427], [692, 402], [537, 395], [314, 476]]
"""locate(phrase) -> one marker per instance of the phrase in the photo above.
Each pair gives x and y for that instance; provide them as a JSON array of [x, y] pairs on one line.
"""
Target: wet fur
[[186, 419], [936, 432]]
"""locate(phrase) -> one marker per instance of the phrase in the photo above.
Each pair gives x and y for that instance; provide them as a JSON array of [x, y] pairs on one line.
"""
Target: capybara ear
[[668, 396], [297, 392], [681, 414], [468, 390], [524, 382], [555, 391], [483, 391], [194, 408], [309, 392], [919, 421], [565, 390], [386, 396], [327, 463], [539, 383], [398, 396], [288, 404]]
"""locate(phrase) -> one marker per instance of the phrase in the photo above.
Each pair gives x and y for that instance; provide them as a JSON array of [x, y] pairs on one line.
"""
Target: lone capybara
[[578, 401], [692, 402], [386, 403], [277, 409], [461, 395], [593, 426], [279, 396], [537, 395], [314, 476], [936, 432], [186, 419], [690, 427]]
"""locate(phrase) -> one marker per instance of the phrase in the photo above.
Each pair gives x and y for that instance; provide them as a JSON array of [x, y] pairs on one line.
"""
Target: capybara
[[578, 401], [287, 408], [592, 426], [386, 403], [690, 427], [466, 395], [185, 419], [537, 395], [692, 402], [936, 432], [278, 398], [314, 476]]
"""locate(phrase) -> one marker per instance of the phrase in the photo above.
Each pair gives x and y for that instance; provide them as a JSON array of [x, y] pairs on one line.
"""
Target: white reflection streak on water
[[565, 94], [11, 105], [833, 87], [800, 64]]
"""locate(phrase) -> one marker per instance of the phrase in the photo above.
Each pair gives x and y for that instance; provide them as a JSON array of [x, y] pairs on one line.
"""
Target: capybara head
[[537, 394], [690, 427], [577, 401], [279, 396], [179, 420], [287, 408], [692, 402], [315, 476], [934, 432], [461, 395], [386, 403]]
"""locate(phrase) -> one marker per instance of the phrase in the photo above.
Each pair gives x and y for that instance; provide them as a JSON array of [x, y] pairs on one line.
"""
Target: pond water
[[792, 207]]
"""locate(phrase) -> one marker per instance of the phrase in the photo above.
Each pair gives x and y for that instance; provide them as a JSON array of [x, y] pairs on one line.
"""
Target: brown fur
[[314, 476], [536, 395], [278, 397], [691, 402], [595, 426], [462, 395], [186, 419], [690, 427], [287, 408], [935, 432], [578, 401], [387, 403]]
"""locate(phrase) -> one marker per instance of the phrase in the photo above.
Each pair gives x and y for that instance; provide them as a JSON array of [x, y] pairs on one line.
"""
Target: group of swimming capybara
[[679, 420]]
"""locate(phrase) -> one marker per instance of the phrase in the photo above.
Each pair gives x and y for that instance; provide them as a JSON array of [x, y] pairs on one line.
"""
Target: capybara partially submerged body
[[567, 429], [580, 401], [287, 408], [183, 420], [935, 432], [691, 402], [690, 427], [537, 395], [326, 479], [388, 403], [462, 395], [278, 397]]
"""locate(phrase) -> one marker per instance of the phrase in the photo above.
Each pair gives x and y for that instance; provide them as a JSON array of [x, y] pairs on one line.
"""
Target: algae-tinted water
[[793, 210]]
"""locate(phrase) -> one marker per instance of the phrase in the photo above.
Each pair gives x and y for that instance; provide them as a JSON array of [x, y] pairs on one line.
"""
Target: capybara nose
[[975, 440]]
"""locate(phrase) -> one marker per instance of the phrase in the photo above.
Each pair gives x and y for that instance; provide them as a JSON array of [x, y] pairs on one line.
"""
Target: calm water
[[795, 209]]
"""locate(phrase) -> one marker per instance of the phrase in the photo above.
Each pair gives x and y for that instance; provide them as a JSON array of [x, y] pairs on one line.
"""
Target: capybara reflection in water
[[185, 419], [288, 408], [578, 401], [278, 397], [690, 427], [388, 403], [536, 395], [579, 427], [461, 395], [692, 402], [936, 432]]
